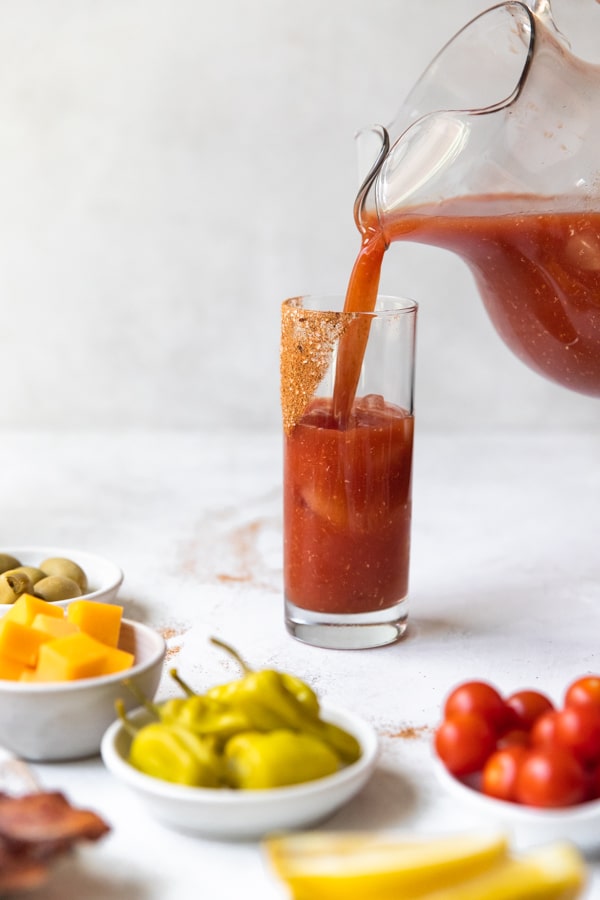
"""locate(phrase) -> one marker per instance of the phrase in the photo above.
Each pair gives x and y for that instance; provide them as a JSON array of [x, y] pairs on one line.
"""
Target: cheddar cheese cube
[[11, 670], [117, 661], [54, 627], [30, 676], [69, 658], [27, 607], [20, 643], [100, 620]]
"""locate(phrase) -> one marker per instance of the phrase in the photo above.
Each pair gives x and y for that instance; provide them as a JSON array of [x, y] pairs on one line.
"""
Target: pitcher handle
[[365, 187], [543, 10]]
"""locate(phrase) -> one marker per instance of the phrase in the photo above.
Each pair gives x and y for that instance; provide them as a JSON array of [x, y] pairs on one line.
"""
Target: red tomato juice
[[347, 507]]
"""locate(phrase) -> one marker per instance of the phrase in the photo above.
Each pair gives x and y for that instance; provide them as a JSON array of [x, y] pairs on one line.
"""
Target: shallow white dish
[[579, 824], [104, 577], [66, 720], [244, 815]]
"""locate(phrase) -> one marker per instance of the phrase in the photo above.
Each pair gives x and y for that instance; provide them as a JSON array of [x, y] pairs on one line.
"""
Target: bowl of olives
[[57, 575]]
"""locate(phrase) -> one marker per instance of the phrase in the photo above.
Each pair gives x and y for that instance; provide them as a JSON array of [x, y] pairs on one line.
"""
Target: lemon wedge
[[362, 866], [553, 872]]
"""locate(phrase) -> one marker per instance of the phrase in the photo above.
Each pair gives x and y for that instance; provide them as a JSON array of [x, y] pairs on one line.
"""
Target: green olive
[[12, 586], [8, 562], [57, 587], [66, 568], [32, 573]]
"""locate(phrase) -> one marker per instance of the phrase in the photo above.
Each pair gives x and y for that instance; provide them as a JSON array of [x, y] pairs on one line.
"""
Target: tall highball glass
[[347, 470]]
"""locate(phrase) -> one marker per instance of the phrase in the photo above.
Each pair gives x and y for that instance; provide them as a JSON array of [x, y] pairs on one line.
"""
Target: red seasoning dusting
[[308, 338], [410, 732]]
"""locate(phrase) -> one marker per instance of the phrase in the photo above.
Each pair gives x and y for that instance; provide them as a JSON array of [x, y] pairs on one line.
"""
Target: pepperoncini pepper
[[204, 716], [210, 718], [263, 699], [261, 730], [269, 704], [173, 753], [257, 761], [301, 691]]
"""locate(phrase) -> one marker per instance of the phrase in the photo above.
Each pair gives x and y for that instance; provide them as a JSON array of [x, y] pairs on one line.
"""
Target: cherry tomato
[[514, 738], [480, 698], [528, 706], [543, 733], [499, 776], [594, 783], [584, 692], [463, 742], [578, 730], [550, 778]]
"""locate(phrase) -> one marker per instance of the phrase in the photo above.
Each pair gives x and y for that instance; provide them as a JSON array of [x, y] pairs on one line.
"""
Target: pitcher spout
[[505, 109]]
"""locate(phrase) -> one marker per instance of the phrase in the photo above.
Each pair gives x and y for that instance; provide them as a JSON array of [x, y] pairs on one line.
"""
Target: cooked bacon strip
[[46, 818], [21, 874], [34, 830]]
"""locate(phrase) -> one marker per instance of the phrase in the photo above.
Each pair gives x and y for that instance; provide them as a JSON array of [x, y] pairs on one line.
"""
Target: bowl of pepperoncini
[[257, 755]]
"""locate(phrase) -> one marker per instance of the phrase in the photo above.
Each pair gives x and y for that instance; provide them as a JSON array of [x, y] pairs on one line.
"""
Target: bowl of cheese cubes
[[62, 669]]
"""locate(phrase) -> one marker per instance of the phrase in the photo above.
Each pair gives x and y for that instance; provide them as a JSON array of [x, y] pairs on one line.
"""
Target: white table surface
[[505, 585]]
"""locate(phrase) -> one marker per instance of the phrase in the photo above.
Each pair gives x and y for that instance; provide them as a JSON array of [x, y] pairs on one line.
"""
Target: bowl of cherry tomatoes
[[524, 761]]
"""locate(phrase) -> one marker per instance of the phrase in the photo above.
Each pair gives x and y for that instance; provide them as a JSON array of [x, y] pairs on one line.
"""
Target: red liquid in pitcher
[[538, 276]]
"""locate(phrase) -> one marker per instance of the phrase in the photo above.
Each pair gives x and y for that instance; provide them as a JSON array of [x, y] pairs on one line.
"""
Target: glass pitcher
[[495, 155]]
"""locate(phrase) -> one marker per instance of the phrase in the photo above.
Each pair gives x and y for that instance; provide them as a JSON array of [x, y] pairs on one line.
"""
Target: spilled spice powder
[[410, 732], [170, 634], [233, 553], [243, 545], [308, 338], [172, 652]]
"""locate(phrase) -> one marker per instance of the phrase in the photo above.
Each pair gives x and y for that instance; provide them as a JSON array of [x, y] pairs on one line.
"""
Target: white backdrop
[[170, 170]]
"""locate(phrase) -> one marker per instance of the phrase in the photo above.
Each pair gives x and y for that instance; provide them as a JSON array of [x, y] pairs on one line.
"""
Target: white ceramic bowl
[[529, 826], [244, 815], [66, 720], [104, 577]]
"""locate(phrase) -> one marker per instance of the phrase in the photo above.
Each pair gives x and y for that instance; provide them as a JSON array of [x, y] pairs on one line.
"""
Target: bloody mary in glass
[[347, 475]]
